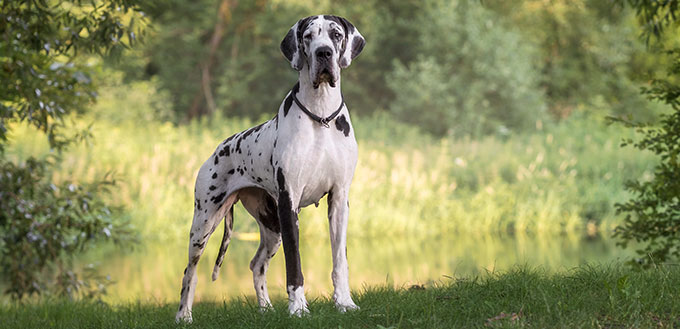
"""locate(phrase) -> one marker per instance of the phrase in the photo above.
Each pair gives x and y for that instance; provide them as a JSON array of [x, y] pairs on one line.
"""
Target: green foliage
[[224, 51], [584, 297], [653, 213], [40, 81], [474, 76], [588, 53], [44, 78], [43, 224], [654, 16], [498, 67]]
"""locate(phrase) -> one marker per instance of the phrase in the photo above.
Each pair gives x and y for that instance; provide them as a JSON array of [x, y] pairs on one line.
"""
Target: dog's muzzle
[[324, 71]]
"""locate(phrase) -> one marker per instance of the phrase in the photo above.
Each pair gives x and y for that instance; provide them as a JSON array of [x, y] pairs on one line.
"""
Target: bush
[[43, 80], [475, 78], [653, 213], [42, 225]]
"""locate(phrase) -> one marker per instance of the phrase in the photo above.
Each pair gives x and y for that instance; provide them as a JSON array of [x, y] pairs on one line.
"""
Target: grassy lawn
[[602, 296]]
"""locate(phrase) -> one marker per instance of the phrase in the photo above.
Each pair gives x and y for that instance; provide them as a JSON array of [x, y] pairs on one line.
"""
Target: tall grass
[[557, 178]]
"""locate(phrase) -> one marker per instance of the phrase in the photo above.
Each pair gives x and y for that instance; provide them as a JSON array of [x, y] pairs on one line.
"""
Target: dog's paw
[[183, 316], [266, 307], [347, 306], [298, 311], [297, 303]]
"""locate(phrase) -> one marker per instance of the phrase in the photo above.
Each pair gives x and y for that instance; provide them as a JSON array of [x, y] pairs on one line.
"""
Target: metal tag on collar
[[324, 122]]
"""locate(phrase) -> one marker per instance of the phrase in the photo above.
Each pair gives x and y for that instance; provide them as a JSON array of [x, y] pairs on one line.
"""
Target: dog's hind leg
[[263, 207], [206, 219], [269, 244]]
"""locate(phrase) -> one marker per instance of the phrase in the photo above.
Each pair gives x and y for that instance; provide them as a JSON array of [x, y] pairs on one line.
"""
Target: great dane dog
[[306, 151]]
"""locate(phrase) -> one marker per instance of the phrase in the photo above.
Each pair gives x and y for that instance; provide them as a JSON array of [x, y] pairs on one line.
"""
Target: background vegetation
[[474, 118]]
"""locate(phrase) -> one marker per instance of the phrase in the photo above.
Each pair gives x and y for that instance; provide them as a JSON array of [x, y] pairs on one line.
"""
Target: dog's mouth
[[324, 75]]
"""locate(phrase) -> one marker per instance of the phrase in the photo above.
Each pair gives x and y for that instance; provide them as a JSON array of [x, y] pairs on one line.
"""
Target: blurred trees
[[213, 55], [474, 78], [474, 68], [653, 213], [44, 80], [588, 52]]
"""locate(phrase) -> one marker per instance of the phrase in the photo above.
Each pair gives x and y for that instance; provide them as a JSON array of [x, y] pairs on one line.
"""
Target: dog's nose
[[324, 52]]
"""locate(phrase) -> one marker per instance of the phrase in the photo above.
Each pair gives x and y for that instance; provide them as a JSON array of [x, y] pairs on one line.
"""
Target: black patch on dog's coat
[[287, 104], [214, 176], [289, 45], [357, 46], [238, 145], [218, 198], [269, 215], [228, 139], [289, 234], [230, 172], [216, 160], [329, 201], [250, 131], [342, 125], [289, 101], [349, 28]]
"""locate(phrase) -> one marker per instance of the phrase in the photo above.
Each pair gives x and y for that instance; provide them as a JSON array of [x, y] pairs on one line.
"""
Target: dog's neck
[[322, 101]]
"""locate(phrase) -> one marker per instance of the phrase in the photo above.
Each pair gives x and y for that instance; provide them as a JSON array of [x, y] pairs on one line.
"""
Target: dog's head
[[324, 43]]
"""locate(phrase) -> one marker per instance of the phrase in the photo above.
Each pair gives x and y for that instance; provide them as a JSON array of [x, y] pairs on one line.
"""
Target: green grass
[[604, 296]]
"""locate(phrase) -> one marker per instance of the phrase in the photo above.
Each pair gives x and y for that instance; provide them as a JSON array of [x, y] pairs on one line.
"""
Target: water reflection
[[154, 271]]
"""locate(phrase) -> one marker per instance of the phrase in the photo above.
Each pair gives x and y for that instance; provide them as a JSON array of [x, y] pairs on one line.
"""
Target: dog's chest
[[315, 159]]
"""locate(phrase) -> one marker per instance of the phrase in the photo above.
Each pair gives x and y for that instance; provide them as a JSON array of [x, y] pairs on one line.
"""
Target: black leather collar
[[323, 121]]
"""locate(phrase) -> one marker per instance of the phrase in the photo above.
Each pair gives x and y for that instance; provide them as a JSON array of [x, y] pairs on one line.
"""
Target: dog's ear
[[291, 46], [354, 43]]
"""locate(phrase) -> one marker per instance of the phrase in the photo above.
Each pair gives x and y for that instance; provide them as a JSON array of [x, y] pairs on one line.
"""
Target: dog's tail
[[226, 238]]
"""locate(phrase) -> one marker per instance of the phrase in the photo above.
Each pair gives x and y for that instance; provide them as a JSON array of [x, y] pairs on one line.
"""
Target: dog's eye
[[307, 36], [337, 35]]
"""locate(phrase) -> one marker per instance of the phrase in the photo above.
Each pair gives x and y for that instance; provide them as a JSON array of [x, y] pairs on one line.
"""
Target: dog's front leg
[[338, 215], [288, 219]]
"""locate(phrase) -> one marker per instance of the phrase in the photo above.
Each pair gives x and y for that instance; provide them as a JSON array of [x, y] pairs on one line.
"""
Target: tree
[[588, 53], [43, 80], [216, 55], [652, 215], [473, 77]]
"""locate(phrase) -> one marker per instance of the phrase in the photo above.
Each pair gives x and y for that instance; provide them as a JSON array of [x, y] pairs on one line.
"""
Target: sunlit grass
[[604, 296]]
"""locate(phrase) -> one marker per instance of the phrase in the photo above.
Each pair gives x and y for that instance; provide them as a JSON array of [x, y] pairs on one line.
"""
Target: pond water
[[153, 272]]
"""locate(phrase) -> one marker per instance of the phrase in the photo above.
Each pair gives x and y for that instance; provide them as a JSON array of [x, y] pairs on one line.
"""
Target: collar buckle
[[324, 122]]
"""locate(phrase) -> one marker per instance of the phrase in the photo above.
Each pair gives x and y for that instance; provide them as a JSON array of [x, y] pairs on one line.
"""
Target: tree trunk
[[223, 18]]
